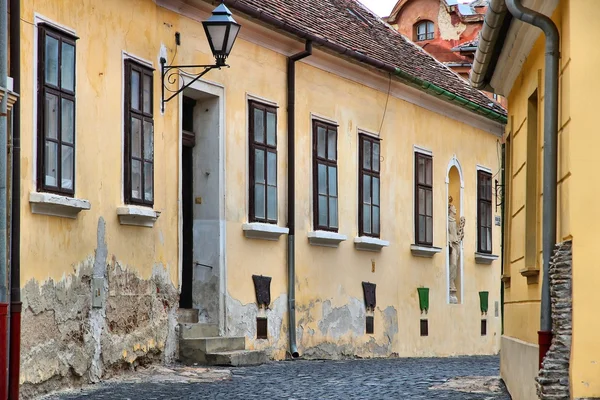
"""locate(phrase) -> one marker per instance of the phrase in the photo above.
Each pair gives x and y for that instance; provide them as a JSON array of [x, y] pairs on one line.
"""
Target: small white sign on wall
[[498, 220]]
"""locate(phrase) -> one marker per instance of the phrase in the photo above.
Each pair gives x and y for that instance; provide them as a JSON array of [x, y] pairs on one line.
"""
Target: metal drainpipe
[[3, 173], [15, 227], [550, 30], [291, 255]]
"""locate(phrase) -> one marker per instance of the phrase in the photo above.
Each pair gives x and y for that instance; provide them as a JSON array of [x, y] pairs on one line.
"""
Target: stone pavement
[[460, 378]]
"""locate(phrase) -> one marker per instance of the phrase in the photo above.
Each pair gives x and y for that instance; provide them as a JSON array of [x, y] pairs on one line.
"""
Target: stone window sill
[[257, 230], [326, 239], [484, 258], [424, 251], [506, 280], [137, 215], [370, 243], [57, 205]]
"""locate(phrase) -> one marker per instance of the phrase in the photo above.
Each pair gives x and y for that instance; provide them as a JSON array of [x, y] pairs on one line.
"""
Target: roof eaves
[[414, 81]]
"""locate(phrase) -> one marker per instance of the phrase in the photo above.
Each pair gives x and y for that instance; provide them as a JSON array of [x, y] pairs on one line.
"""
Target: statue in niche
[[456, 233]]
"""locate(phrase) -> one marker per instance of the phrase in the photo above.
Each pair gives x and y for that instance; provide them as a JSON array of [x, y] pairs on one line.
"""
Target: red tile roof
[[349, 28]]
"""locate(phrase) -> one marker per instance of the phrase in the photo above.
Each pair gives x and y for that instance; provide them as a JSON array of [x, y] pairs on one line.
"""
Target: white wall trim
[[422, 150], [362, 131], [129, 56], [482, 168], [322, 118], [455, 163], [259, 99], [41, 19]]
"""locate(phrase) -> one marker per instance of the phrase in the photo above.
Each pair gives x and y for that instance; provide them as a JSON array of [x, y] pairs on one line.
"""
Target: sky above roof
[[383, 8]]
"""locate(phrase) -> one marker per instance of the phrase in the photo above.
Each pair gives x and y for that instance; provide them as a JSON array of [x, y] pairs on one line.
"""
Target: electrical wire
[[386, 104]]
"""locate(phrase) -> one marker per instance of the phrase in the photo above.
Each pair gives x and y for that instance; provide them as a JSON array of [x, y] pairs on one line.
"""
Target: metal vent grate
[[370, 324], [261, 328], [424, 327]]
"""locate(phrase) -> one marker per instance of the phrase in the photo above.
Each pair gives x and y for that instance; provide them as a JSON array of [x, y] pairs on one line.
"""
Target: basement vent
[[424, 327], [261, 328], [370, 323], [483, 327]]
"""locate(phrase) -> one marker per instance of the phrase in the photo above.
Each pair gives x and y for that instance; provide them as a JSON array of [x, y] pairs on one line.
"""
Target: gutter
[[422, 85], [551, 72], [491, 39], [15, 227], [291, 179]]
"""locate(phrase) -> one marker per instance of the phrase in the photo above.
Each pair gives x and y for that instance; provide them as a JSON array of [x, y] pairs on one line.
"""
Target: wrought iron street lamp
[[221, 32]]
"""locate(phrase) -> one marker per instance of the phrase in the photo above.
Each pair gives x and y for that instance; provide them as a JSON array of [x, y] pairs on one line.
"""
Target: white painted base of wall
[[519, 367]]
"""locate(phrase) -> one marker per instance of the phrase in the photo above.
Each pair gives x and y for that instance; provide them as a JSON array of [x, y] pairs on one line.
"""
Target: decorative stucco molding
[[136, 215], [483, 258], [257, 230], [424, 251], [553, 379], [57, 205], [326, 239], [369, 243]]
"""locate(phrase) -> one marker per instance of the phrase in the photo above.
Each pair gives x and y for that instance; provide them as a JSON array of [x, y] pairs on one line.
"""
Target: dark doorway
[[187, 194]]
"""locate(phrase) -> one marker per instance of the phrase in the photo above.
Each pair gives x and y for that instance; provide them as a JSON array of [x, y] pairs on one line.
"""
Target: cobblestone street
[[461, 378]]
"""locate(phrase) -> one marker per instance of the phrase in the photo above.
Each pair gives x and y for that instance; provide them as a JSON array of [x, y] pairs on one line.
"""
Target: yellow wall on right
[[580, 99], [523, 262]]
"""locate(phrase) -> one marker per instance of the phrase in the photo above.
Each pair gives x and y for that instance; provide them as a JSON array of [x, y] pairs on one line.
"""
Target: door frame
[[217, 90]]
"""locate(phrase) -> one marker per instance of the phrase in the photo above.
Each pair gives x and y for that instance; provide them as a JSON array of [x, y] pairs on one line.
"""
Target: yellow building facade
[[574, 343], [128, 210]]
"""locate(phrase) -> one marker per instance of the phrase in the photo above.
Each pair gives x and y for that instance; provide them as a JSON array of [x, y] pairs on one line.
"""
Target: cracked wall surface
[[68, 342]]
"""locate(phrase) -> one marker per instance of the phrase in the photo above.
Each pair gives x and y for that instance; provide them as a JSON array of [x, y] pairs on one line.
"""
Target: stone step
[[198, 331], [187, 316], [237, 358], [213, 344]]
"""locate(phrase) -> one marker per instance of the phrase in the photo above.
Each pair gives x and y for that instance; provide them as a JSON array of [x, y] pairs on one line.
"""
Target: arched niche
[[455, 185]]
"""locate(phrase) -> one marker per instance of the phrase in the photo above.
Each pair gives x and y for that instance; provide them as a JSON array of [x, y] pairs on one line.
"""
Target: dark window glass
[[139, 134], [423, 199], [484, 212], [56, 112], [325, 182], [425, 30], [369, 183], [263, 163]]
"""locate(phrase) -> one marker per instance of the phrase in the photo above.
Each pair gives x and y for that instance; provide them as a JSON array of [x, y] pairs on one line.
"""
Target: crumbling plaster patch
[[448, 31], [341, 332], [66, 342], [241, 321]]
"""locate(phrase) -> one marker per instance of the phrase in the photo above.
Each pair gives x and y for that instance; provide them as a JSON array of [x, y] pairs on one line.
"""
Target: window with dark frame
[[139, 134], [56, 111], [263, 163], [369, 186], [423, 199], [425, 30], [484, 212], [325, 186]]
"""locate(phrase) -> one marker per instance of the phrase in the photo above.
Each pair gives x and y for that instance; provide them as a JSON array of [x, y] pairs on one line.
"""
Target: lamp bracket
[[170, 73], [499, 189]]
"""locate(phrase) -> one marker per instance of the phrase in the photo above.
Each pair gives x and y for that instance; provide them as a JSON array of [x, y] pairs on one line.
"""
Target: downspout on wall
[[291, 212], [15, 228], [551, 72]]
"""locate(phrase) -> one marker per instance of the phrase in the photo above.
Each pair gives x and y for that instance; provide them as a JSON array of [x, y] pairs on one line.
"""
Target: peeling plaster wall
[[66, 341], [449, 30]]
